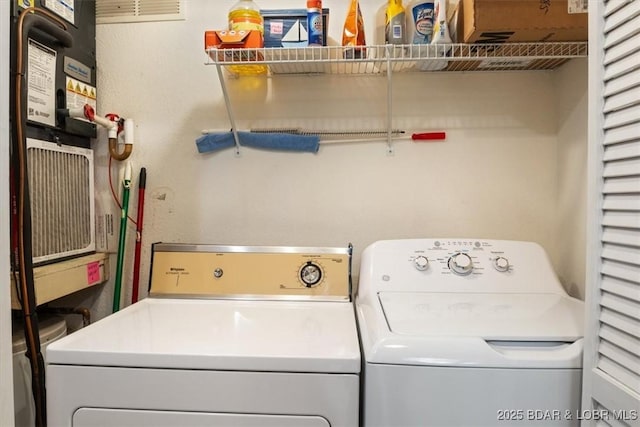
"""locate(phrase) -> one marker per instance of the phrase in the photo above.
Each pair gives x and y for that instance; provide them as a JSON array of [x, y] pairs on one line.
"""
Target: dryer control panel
[[251, 272], [452, 265]]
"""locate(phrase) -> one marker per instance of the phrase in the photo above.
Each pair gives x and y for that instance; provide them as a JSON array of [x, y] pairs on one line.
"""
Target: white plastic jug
[[51, 329], [420, 19]]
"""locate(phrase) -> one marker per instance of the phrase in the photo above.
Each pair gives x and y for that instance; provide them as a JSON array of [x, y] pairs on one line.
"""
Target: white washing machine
[[230, 336], [465, 332]]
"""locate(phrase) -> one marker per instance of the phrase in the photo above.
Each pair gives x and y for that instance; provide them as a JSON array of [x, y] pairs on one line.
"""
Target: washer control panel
[[443, 265], [251, 272], [460, 257]]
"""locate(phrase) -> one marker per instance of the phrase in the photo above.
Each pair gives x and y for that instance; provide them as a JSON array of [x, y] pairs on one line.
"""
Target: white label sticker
[[505, 63], [578, 6], [64, 8], [41, 78], [79, 94]]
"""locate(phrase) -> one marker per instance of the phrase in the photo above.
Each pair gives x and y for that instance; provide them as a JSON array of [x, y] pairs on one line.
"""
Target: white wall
[[498, 175], [6, 373], [571, 107]]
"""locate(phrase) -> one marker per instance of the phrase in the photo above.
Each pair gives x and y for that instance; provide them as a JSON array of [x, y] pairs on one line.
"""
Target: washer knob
[[421, 263], [501, 264], [461, 264]]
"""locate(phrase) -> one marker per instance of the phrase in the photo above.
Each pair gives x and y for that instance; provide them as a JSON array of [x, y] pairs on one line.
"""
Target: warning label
[[64, 8], [79, 94]]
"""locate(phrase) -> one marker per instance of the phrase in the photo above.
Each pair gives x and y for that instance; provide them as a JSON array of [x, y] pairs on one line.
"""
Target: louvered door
[[611, 391]]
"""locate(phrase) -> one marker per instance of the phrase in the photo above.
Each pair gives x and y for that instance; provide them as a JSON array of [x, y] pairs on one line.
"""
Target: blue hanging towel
[[266, 141]]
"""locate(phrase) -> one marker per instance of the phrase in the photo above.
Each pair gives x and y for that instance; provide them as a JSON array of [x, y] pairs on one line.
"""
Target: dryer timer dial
[[310, 274]]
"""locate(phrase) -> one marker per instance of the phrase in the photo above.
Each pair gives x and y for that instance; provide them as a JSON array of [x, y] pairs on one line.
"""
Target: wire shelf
[[387, 60], [381, 59]]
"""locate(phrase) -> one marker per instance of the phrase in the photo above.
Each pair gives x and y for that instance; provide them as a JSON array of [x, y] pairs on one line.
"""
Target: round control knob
[[310, 274], [461, 264], [421, 263], [501, 264]]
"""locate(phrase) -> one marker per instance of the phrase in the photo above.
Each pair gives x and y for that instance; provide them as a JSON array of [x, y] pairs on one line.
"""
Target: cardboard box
[[502, 21], [288, 27], [227, 39]]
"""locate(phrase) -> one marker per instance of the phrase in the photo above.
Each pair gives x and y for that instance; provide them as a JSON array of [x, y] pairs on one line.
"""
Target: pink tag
[[93, 272], [276, 28]]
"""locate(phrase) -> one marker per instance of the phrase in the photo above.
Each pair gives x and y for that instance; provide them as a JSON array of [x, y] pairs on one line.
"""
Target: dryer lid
[[492, 317], [275, 336]]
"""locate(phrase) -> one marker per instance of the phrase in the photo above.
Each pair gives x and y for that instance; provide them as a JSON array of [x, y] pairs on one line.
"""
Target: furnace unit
[[57, 75]]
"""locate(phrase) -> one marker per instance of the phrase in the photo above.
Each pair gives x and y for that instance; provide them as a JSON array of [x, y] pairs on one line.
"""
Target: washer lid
[[492, 317], [531, 331], [282, 336]]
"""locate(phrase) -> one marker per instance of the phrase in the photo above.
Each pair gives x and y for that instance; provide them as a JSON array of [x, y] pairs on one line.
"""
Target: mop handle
[[126, 186]]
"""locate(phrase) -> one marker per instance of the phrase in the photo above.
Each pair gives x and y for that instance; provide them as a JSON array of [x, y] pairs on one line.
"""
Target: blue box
[[288, 27]]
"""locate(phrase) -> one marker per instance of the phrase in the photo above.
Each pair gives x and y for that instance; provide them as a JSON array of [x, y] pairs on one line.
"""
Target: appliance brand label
[[77, 69]]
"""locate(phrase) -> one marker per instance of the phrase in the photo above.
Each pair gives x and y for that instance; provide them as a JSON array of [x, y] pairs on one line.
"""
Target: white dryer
[[465, 332], [231, 336]]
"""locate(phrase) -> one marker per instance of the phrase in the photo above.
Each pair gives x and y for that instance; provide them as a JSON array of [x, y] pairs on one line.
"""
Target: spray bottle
[[395, 24]]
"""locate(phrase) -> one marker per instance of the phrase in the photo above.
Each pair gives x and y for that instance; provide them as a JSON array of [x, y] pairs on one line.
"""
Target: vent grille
[[116, 11], [62, 202]]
